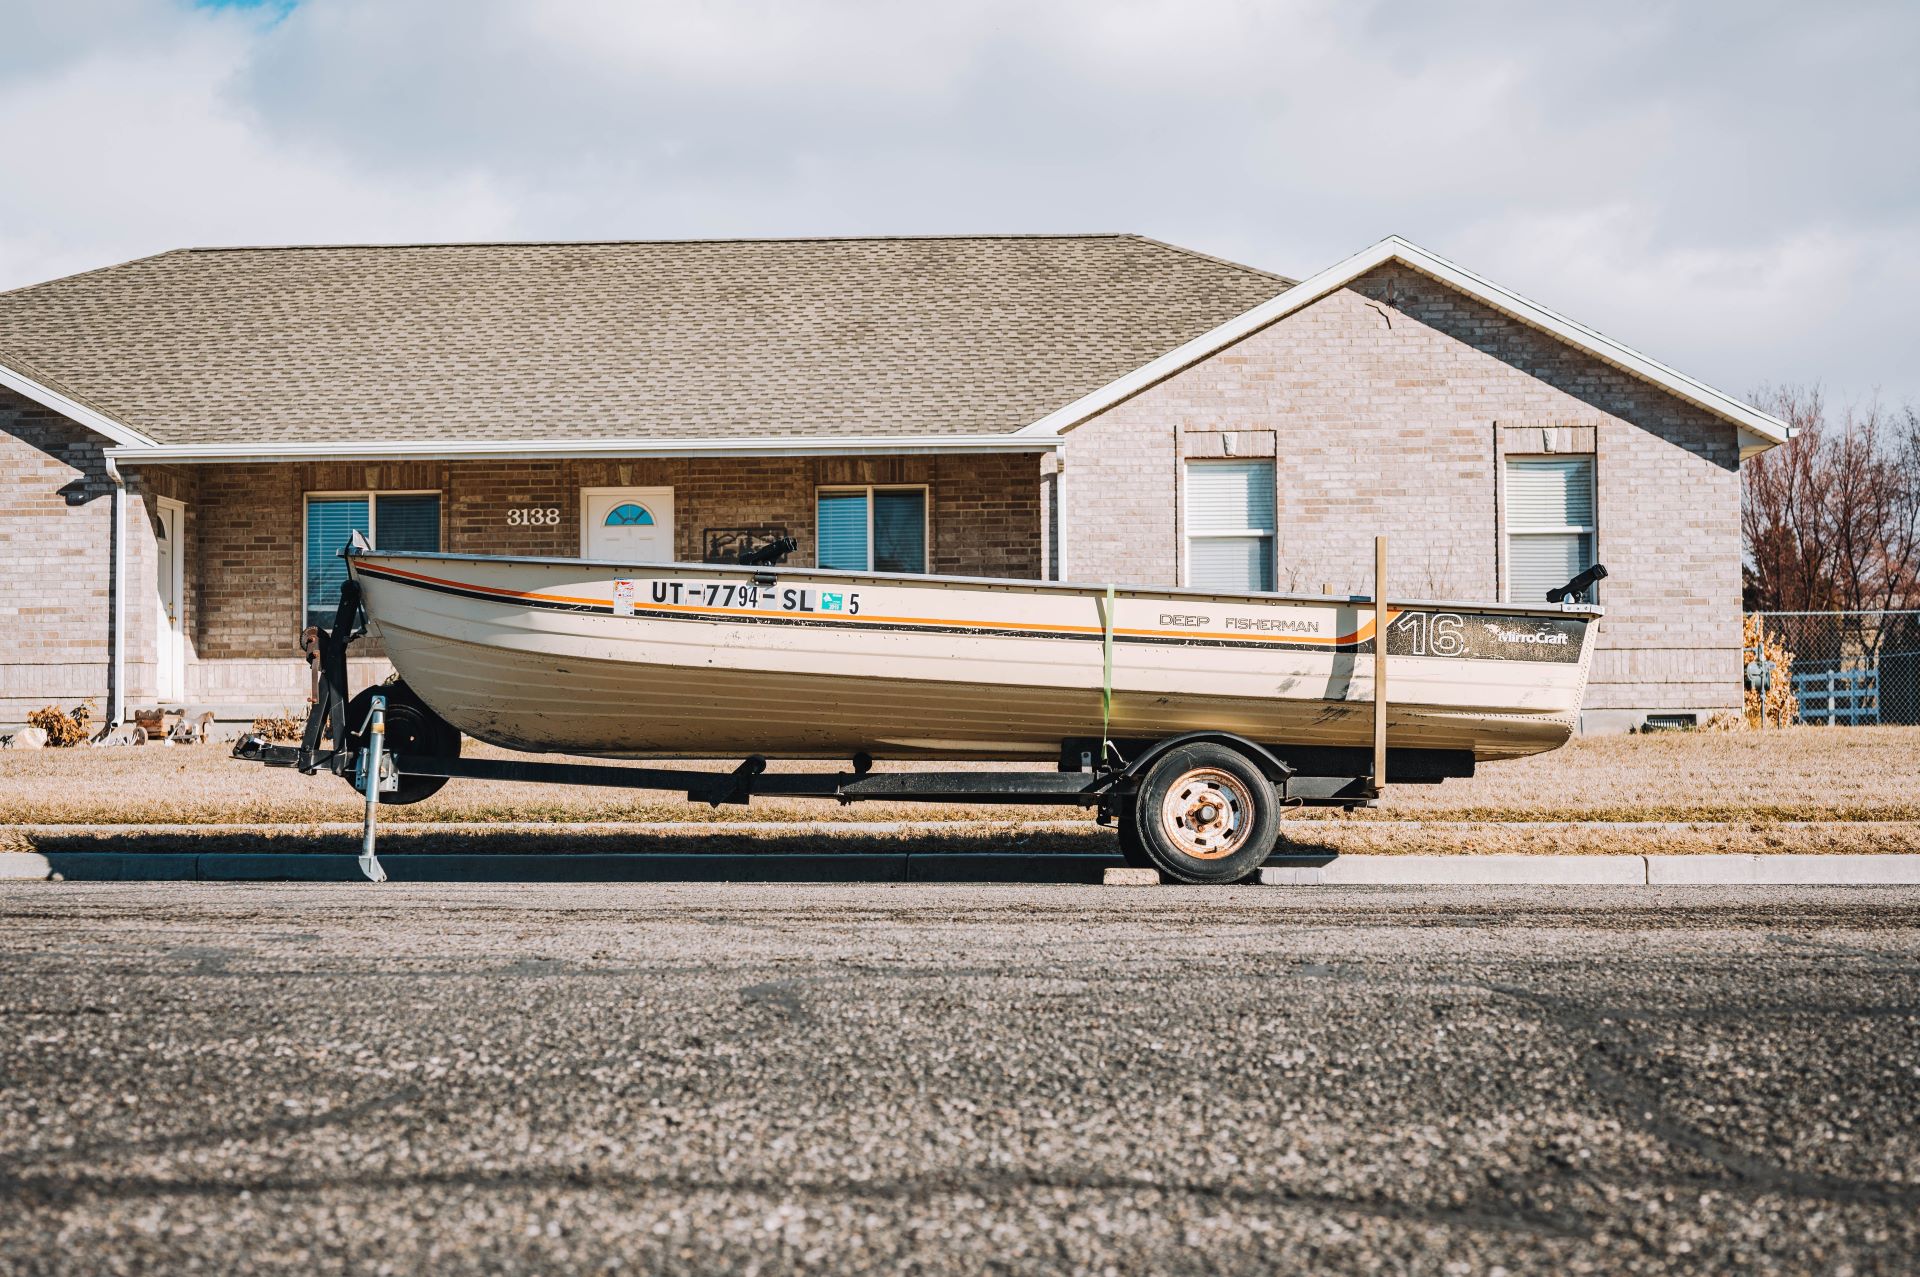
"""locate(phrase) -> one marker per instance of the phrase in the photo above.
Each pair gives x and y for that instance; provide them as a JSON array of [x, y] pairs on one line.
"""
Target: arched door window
[[629, 514]]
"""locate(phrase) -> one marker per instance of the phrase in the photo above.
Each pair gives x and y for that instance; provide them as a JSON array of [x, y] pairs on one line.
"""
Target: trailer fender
[[1269, 764]]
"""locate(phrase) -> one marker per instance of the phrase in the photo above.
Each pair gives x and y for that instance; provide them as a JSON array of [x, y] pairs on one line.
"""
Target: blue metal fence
[[1851, 668], [1836, 696]]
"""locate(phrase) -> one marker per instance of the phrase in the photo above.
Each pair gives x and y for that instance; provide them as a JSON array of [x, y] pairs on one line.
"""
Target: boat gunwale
[[1584, 611]]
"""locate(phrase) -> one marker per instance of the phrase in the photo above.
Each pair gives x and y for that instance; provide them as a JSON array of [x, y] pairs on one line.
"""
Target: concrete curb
[[1455, 870], [587, 867], [1783, 870], [1302, 871]]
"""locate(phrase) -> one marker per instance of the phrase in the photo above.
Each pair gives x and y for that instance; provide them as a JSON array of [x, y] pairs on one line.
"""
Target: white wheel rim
[[1207, 813]]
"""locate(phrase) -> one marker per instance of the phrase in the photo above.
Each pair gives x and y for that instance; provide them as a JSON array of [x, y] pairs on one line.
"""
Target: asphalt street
[[899, 1079]]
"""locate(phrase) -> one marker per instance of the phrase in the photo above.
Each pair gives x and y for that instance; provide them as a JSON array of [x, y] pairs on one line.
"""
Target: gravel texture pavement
[[901, 1079]]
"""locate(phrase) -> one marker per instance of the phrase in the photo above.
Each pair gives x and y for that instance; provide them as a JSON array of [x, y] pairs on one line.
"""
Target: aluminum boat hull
[[702, 660]]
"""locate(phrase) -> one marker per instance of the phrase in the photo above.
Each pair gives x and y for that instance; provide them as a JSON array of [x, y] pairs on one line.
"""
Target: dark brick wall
[[985, 519]]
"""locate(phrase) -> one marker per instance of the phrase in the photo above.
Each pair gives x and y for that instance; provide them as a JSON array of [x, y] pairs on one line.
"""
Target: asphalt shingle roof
[[671, 340]]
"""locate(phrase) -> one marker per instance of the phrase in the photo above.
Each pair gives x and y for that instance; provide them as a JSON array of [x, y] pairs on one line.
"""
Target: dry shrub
[[1781, 707], [285, 725], [63, 728]]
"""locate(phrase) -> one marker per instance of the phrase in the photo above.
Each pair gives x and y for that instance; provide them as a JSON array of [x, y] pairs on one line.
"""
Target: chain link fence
[[1846, 668]]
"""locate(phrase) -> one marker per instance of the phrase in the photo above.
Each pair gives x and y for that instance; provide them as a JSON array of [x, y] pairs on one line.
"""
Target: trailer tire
[[1206, 813], [1133, 853], [412, 728]]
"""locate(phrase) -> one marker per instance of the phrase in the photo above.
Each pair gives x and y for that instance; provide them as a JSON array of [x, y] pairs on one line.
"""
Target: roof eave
[[1758, 430], [538, 449], [15, 376]]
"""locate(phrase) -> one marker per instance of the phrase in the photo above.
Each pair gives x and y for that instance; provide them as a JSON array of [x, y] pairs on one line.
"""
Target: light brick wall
[[1385, 404], [55, 529], [56, 538]]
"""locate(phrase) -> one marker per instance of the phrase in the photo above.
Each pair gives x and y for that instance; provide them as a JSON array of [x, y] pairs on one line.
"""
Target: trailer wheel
[[1206, 814], [412, 728], [1132, 851]]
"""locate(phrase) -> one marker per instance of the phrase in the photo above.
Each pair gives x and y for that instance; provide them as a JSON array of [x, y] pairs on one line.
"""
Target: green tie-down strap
[[1106, 675]]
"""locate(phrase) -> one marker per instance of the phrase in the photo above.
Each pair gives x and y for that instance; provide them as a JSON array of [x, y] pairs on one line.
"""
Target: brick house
[[185, 439]]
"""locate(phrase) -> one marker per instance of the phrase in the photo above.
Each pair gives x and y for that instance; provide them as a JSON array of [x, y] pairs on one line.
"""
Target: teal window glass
[[629, 515], [389, 521], [331, 522], [841, 529], [409, 521], [900, 530]]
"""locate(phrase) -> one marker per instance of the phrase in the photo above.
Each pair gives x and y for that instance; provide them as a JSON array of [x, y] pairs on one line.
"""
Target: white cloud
[[118, 152], [1726, 186]]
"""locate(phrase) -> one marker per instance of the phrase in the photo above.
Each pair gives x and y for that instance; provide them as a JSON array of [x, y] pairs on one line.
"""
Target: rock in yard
[[28, 738]]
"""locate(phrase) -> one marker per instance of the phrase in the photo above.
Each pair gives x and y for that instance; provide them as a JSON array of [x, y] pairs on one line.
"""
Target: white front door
[[627, 525], [169, 578]]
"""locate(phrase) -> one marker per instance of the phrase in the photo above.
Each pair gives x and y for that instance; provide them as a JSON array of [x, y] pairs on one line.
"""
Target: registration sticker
[[831, 603], [623, 595]]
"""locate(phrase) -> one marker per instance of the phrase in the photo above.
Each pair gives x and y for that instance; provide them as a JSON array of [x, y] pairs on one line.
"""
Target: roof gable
[[1758, 430]]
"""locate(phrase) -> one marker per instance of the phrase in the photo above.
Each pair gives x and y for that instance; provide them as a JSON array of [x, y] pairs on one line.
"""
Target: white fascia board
[[537, 449], [125, 437], [1765, 429]]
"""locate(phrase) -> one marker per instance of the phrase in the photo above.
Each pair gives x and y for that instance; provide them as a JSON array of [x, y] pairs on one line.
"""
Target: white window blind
[[841, 520], [872, 529], [1230, 525], [1550, 524], [389, 521]]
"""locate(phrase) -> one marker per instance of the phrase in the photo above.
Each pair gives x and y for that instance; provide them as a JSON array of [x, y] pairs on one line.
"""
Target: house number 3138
[[533, 516]]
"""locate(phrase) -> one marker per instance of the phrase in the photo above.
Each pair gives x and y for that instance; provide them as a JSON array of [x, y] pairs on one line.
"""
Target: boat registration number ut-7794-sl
[[745, 596]]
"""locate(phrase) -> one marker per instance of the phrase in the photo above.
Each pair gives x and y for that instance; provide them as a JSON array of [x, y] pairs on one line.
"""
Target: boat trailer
[[394, 749]]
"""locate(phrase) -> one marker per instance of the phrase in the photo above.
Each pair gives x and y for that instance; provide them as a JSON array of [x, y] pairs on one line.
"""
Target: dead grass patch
[[1803, 773], [1795, 773]]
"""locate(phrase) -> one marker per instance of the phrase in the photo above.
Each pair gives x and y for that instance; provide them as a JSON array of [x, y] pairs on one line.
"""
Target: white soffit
[[1758, 430]]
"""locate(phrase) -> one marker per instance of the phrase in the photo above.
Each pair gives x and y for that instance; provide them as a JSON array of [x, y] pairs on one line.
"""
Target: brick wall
[[245, 559], [55, 529], [56, 560], [1388, 405]]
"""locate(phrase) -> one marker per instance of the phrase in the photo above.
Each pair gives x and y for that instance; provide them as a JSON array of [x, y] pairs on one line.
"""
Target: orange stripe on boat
[[1360, 635]]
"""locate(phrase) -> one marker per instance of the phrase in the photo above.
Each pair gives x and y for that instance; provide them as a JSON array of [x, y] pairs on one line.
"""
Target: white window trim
[[308, 498], [1560, 530], [1188, 536], [843, 489]]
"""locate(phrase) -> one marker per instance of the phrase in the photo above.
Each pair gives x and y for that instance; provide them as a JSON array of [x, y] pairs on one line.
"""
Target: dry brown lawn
[[1869, 774], [1798, 773]]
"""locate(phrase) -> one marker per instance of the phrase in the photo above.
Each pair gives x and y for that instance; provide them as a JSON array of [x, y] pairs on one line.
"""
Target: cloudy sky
[[1731, 187]]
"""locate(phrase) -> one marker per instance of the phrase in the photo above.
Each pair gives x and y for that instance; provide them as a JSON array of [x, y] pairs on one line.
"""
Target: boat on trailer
[[1190, 717]]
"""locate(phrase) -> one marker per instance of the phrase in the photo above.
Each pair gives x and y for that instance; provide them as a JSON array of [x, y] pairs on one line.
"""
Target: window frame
[[373, 519], [868, 489], [1188, 536], [1508, 529]]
